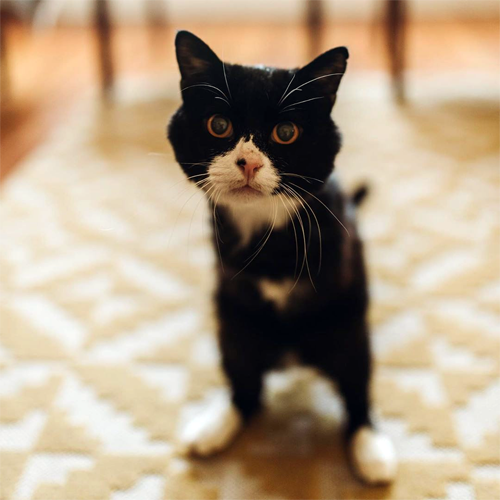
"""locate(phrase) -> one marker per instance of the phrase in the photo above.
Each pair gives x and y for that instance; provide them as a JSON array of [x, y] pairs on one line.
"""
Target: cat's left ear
[[324, 73], [194, 56]]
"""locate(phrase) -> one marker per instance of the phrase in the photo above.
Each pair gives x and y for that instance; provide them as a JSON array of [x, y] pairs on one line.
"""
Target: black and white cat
[[261, 143]]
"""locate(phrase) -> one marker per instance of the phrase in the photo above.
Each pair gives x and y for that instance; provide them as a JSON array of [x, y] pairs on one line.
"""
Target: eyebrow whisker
[[286, 90], [225, 78], [205, 84], [301, 102], [307, 83], [222, 99]]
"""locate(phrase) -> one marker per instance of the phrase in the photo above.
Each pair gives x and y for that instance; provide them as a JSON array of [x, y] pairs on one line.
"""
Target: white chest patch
[[265, 214]]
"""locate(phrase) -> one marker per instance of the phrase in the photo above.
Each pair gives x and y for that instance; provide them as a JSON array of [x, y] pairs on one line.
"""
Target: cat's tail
[[359, 194]]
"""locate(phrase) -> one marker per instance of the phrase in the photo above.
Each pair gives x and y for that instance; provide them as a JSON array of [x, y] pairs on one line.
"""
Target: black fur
[[327, 326]]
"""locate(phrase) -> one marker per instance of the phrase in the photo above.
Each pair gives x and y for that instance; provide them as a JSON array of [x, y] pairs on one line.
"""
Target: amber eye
[[285, 133], [220, 126]]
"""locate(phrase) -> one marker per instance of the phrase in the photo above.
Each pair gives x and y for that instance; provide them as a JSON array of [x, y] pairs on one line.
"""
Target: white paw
[[373, 456], [212, 429]]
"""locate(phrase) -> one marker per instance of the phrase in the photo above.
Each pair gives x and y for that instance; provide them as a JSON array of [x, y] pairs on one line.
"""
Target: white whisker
[[307, 83], [197, 175], [305, 177], [298, 198], [225, 78], [319, 229], [192, 164], [188, 185], [301, 102], [304, 238], [194, 212], [205, 84], [216, 230], [199, 183], [306, 244], [295, 234], [183, 181], [286, 90], [222, 99], [326, 206], [218, 194]]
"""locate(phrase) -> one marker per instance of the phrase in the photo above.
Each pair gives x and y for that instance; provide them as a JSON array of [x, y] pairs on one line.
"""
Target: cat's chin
[[245, 194]]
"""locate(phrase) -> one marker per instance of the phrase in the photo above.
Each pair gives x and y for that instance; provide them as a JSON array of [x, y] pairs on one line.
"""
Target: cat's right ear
[[194, 56], [325, 73]]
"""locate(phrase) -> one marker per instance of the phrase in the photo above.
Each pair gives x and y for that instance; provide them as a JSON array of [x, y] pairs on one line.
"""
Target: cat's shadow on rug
[[283, 457], [294, 449]]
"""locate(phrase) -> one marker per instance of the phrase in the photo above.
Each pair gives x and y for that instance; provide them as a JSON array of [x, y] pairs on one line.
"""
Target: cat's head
[[246, 133]]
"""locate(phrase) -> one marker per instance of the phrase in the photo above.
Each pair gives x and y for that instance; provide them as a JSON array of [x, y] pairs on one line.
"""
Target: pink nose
[[249, 168]]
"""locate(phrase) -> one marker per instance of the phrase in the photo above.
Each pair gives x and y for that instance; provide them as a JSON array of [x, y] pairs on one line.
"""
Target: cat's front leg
[[246, 355], [342, 353]]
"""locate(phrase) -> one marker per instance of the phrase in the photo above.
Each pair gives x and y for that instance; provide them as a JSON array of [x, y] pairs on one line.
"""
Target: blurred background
[[107, 335], [54, 50]]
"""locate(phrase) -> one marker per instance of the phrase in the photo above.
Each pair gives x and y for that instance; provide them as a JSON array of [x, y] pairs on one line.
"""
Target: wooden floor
[[50, 70]]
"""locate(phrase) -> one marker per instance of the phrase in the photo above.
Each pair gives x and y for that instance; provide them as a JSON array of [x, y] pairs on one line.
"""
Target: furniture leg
[[395, 28], [103, 31]]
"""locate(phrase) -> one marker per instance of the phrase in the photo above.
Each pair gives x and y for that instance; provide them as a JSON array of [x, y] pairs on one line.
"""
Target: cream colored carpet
[[107, 333]]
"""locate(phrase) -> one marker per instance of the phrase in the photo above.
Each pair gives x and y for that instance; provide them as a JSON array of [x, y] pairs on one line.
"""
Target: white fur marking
[[280, 292], [277, 292], [374, 456], [258, 216], [212, 429]]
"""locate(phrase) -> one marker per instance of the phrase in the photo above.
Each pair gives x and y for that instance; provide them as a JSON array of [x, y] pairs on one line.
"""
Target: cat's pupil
[[220, 124], [285, 131]]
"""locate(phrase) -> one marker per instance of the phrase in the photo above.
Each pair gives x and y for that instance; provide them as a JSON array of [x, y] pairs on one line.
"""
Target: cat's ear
[[194, 56], [324, 73]]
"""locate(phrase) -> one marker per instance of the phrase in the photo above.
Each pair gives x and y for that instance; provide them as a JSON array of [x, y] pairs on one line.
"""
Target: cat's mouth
[[246, 190], [244, 194]]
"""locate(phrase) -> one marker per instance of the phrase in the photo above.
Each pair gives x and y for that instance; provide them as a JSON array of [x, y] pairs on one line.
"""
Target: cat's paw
[[211, 430], [373, 456]]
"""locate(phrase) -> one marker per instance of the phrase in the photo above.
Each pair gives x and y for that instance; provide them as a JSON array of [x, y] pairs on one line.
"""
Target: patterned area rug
[[107, 329]]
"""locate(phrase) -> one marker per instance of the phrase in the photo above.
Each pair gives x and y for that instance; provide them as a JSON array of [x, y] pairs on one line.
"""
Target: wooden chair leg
[[395, 29], [103, 31], [157, 19], [4, 59], [156, 13], [314, 19]]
